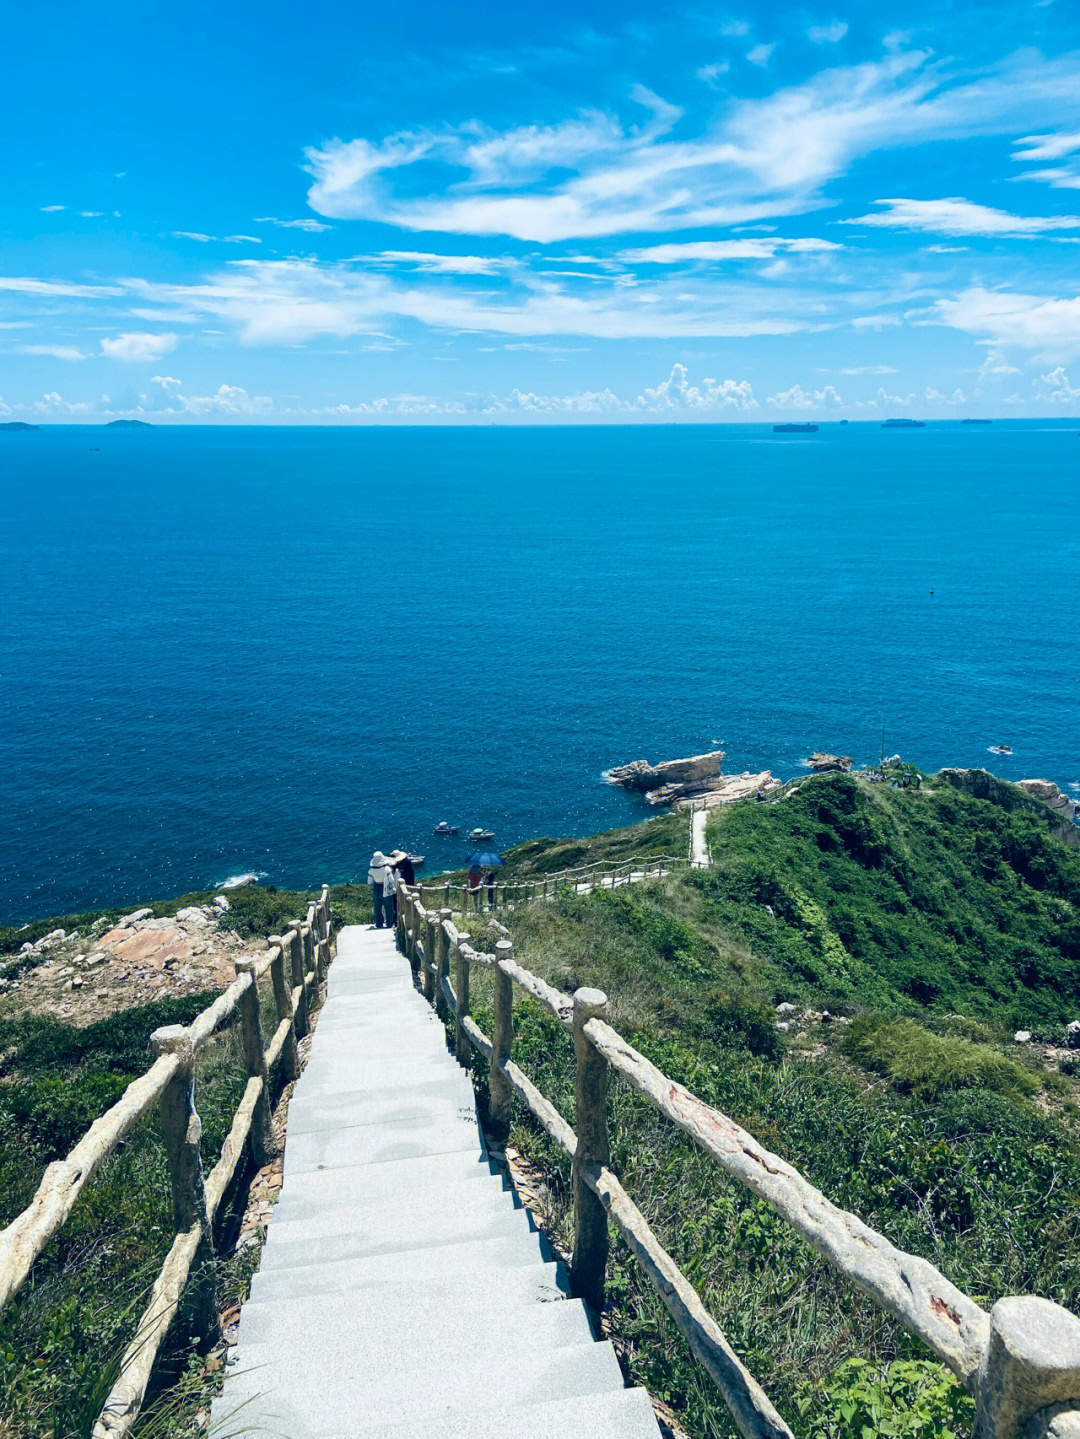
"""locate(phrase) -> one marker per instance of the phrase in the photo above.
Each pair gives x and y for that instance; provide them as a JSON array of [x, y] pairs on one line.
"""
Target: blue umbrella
[[485, 859]]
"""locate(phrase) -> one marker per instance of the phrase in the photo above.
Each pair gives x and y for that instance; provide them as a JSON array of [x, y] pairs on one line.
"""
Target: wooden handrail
[[169, 1082], [1019, 1389]]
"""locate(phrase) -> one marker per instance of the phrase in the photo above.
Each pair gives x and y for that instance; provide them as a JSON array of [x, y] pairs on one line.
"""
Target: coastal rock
[[829, 763], [1047, 791], [134, 918], [785, 1008], [221, 904], [193, 915], [238, 881], [1072, 1034], [730, 788], [661, 783], [1022, 1036]]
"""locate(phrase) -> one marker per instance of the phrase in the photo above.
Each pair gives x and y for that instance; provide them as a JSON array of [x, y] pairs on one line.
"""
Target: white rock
[[783, 1025], [27, 948], [785, 1008], [192, 915], [221, 904], [78, 982], [1022, 1036], [135, 917], [1072, 1032]]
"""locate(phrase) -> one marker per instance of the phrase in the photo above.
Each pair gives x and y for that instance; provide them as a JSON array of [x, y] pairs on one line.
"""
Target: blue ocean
[[268, 649]]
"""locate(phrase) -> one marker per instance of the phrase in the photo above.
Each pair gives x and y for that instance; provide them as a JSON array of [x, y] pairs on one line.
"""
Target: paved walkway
[[403, 1292], [700, 858]]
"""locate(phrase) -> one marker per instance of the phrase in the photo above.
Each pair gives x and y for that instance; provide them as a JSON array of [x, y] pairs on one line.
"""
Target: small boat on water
[[443, 828], [897, 424], [794, 429], [976, 422], [478, 834]]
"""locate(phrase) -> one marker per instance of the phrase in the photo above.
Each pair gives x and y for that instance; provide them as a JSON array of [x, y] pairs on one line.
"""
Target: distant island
[[795, 429], [904, 425], [17, 425], [976, 422], [128, 425]]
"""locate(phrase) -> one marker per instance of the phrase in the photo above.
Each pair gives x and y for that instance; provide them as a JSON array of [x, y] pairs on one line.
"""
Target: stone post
[[290, 1057], [181, 1130], [296, 967], [434, 949], [255, 1062], [590, 1120], [462, 1047], [1031, 1363], [500, 1089]]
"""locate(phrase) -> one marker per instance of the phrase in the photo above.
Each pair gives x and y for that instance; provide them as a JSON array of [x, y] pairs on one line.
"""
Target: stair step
[[398, 1327], [354, 1107], [266, 1402], [472, 1258], [348, 1235], [353, 1073], [622, 1414], [373, 1143], [412, 1183], [416, 1214]]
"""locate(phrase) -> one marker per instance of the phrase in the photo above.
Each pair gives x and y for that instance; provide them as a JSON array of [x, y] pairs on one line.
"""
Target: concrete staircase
[[403, 1292]]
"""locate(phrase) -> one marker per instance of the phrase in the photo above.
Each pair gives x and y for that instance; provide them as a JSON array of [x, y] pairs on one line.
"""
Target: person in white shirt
[[390, 895], [377, 872]]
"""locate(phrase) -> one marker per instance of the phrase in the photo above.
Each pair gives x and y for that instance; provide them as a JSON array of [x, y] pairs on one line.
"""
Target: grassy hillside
[[932, 924]]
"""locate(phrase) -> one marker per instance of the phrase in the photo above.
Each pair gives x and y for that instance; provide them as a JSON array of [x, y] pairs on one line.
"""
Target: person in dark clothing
[[404, 866], [490, 882]]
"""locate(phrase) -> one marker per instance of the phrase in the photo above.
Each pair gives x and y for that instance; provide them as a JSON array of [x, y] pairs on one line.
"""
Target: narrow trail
[[700, 858], [403, 1290]]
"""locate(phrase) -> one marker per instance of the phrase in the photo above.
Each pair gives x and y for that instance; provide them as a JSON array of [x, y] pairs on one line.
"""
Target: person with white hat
[[377, 873]]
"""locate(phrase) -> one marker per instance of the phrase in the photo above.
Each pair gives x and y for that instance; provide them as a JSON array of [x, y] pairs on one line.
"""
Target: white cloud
[[733, 29], [678, 253], [51, 209], [224, 239], [676, 393], [1035, 322], [594, 174], [444, 264], [946, 249], [761, 54], [192, 235], [58, 352], [1061, 392], [711, 73], [1047, 147], [138, 348], [828, 34], [961, 217], [868, 370], [53, 404], [91, 214], [797, 399], [1058, 176], [295, 300], [312, 227], [27, 286]]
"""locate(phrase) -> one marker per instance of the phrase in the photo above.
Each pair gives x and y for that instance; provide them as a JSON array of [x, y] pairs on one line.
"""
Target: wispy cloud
[[960, 217], [51, 209], [68, 288], [756, 160], [209, 239], [138, 348], [828, 34], [1033, 322], [312, 227], [57, 352], [761, 54], [678, 253]]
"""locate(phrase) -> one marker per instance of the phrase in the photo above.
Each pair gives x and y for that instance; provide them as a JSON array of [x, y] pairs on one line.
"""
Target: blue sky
[[427, 213]]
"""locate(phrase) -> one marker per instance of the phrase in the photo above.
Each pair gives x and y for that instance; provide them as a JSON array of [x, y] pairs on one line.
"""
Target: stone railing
[[506, 893], [296, 963], [1021, 1361]]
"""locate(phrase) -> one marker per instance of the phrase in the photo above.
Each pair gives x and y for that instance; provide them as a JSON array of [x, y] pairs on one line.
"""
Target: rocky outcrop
[[731, 788], [829, 763], [983, 785], [672, 780], [1047, 791]]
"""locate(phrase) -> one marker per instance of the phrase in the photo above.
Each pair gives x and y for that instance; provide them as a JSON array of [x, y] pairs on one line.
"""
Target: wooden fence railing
[[1021, 1361], [505, 893], [297, 963]]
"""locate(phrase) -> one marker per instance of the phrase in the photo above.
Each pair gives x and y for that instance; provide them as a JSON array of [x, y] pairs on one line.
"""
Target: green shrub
[[927, 1064], [737, 1020], [908, 1399]]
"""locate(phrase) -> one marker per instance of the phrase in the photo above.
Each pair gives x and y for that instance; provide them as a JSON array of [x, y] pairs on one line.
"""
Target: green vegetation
[[62, 1337], [893, 909]]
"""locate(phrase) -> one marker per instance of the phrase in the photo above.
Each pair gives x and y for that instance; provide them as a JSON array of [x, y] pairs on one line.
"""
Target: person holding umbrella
[[481, 860]]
